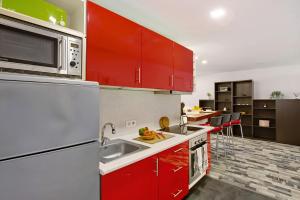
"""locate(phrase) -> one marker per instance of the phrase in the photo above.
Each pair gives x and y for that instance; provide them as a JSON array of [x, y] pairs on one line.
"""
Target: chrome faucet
[[104, 140], [183, 120]]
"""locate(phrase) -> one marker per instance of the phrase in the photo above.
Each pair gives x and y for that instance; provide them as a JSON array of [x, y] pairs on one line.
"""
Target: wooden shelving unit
[[238, 98], [283, 115], [207, 104], [264, 109], [243, 103], [223, 99]]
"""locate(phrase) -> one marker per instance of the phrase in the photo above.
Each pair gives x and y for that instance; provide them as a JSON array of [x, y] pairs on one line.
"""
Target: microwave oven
[[25, 47]]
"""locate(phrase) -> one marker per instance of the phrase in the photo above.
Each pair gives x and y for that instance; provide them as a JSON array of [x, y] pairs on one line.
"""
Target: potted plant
[[297, 95], [276, 95], [209, 95]]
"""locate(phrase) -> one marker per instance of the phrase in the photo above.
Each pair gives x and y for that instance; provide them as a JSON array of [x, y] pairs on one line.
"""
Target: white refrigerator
[[48, 139]]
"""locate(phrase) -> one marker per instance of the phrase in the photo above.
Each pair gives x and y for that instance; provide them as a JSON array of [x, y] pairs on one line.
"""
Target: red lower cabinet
[[160, 177], [134, 182], [174, 172]]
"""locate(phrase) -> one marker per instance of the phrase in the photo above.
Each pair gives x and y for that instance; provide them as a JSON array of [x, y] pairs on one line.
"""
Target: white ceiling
[[254, 33]]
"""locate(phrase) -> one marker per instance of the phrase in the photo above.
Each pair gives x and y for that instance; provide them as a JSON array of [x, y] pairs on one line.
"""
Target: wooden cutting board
[[155, 140]]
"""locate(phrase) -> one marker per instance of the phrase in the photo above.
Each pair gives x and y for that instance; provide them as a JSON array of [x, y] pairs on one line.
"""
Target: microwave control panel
[[74, 56]]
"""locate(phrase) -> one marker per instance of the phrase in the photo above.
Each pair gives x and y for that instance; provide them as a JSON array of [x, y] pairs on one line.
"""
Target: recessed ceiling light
[[204, 62], [196, 57], [218, 13]]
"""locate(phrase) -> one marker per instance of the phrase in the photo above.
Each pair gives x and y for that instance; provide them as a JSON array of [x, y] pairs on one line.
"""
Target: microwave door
[[26, 47]]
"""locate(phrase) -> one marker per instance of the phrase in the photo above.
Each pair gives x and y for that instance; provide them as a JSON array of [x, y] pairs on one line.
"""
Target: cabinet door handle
[[180, 149], [177, 169], [171, 80], [156, 166], [138, 75], [178, 193]]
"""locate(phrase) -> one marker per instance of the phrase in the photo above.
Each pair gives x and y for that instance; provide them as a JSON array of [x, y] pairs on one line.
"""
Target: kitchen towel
[[199, 152]]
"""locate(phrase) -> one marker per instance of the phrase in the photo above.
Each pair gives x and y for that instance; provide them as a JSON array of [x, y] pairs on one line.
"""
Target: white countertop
[[154, 149]]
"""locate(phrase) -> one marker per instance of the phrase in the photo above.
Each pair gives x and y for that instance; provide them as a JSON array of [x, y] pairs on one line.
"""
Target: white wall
[[146, 108], [284, 78]]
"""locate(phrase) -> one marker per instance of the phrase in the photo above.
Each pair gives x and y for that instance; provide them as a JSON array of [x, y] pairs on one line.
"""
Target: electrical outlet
[[133, 123], [130, 123]]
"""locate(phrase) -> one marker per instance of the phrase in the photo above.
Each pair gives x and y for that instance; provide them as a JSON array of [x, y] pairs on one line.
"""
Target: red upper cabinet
[[157, 61], [113, 48], [134, 182], [122, 53], [183, 68]]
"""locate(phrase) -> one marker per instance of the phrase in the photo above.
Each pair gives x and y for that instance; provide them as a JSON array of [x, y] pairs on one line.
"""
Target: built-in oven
[[27, 47], [198, 158]]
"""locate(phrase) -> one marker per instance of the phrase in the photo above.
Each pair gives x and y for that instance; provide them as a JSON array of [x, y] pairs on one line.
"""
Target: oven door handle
[[198, 145]]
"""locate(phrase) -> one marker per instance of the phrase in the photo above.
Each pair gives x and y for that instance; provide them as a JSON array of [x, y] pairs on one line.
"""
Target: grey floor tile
[[212, 189], [267, 168]]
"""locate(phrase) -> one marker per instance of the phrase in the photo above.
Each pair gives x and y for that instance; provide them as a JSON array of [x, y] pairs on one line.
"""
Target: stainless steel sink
[[117, 149]]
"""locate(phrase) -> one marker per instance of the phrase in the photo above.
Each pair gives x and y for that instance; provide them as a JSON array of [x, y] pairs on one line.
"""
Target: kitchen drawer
[[176, 175], [181, 149], [176, 156], [173, 186], [181, 190], [173, 166]]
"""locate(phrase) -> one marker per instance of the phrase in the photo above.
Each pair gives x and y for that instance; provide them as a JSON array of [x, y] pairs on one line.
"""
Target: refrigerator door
[[42, 115], [67, 174]]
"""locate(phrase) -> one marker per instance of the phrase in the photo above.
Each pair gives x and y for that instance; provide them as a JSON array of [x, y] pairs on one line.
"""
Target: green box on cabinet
[[39, 9]]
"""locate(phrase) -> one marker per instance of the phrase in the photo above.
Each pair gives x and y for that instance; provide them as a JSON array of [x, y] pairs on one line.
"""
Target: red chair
[[236, 121], [216, 122], [227, 125]]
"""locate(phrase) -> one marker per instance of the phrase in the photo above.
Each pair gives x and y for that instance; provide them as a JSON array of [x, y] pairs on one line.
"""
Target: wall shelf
[[76, 10], [257, 117], [264, 109], [224, 92], [272, 127]]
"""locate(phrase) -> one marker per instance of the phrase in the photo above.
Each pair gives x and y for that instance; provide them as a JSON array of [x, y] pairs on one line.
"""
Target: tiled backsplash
[[145, 107]]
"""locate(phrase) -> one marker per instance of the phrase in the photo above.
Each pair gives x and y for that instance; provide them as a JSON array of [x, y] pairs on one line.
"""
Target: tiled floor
[[212, 189], [267, 168]]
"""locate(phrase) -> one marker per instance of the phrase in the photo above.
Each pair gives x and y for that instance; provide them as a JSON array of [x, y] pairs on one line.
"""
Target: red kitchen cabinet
[[134, 182], [113, 48], [157, 60], [161, 177], [123, 53], [183, 68], [174, 172]]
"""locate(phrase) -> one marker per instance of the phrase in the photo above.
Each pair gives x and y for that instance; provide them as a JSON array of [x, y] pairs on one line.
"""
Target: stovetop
[[182, 130]]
